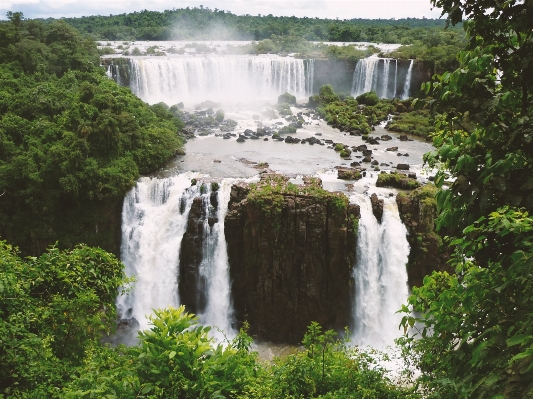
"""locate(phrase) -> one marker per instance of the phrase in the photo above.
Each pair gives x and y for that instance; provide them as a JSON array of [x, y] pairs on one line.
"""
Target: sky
[[342, 9]]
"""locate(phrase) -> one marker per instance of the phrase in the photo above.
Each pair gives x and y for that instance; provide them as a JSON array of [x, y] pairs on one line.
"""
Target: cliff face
[[291, 253], [418, 211]]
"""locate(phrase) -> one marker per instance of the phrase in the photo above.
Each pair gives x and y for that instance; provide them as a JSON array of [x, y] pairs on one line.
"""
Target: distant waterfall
[[407, 86], [380, 275], [375, 74], [154, 219], [219, 78], [365, 76]]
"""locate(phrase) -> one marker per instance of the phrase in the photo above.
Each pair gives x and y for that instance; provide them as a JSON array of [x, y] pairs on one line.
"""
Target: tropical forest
[[200, 204]]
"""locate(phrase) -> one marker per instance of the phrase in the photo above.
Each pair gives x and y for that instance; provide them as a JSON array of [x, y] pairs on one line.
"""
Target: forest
[[73, 142]]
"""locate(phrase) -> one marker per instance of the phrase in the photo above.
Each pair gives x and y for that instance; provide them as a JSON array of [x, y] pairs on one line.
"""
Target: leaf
[[517, 340], [171, 354]]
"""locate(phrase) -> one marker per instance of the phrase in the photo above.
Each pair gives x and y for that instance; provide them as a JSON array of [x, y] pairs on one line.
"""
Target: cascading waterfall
[[154, 220], [385, 85], [407, 86], [215, 268], [374, 74], [218, 78], [380, 274], [365, 76]]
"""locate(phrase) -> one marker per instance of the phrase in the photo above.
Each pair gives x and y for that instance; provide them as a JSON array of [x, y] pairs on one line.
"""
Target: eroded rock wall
[[291, 257], [418, 210]]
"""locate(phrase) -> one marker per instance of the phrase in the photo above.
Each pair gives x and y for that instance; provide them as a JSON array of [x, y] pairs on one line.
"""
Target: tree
[[476, 326]]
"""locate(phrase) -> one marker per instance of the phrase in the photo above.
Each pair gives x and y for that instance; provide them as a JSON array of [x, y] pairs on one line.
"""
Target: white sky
[[342, 9]]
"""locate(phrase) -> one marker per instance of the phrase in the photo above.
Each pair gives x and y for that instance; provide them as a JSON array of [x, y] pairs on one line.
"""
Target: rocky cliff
[[291, 250], [418, 210]]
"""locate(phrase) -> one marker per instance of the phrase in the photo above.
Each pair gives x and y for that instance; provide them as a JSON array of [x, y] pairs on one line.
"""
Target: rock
[[372, 141], [192, 286], [217, 161], [179, 151], [348, 173], [248, 132], [397, 180], [361, 148], [386, 137], [406, 155], [290, 266], [265, 139], [355, 164], [367, 159], [403, 137], [399, 155], [254, 138], [292, 140], [402, 166], [394, 149], [318, 134], [418, 210], [377, 207], [240, 140], [328, 141], [367, 152], [374, 162]]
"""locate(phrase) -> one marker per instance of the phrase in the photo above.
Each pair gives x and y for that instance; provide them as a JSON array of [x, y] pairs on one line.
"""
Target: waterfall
[[395, 79], [218, 308], [218, 78], [407, 86], [380, 274], [385, 85], [365, 76], [154, 218]]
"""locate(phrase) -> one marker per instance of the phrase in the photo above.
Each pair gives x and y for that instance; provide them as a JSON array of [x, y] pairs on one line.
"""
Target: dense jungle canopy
[[72, 142]]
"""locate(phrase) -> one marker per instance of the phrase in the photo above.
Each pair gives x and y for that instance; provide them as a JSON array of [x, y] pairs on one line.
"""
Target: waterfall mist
[[380, 275]]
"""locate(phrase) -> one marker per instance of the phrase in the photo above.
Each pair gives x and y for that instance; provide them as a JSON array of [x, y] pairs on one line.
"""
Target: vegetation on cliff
[[72, 142]]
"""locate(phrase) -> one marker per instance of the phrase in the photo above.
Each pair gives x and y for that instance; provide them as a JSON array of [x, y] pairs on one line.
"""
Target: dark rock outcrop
[[291, 252], [418, 210], [348, 173], [192, 285], [377, 207]]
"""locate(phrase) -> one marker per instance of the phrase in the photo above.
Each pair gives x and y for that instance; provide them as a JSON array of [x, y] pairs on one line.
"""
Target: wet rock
[[318, 134], [292, 266], [367, 159], [217, 161], [355, 164], [348, 173], [265, 139], [386, 137], [374, 162], [372, 141], [367, 152], [361, 147], [241, 140], [377, 207], [403, 137], [406, 155], [393, 149], [402, 166]]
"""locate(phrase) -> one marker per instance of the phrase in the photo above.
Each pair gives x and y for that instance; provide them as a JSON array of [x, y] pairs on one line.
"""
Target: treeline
[[204, 23], [72, 142]]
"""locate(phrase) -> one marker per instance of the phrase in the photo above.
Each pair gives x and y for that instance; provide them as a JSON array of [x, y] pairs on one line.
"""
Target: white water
[[219, 78], [369, 75], [215, 268], [380, 275], [154, 220], [365, 76], [407, 87]]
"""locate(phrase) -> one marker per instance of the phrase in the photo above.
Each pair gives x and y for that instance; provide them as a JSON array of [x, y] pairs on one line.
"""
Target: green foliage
[[70, 138], [370, 98], [397, 180], [418, 123], [203, 23], [52, 309], [475, 327], [326, 368], [284, 109], [286, 98]]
